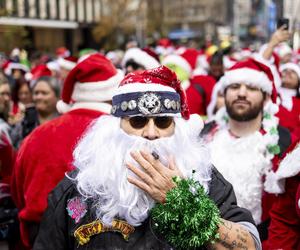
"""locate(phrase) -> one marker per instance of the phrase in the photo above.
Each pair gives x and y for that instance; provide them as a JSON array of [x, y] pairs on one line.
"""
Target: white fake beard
[[102, 153]]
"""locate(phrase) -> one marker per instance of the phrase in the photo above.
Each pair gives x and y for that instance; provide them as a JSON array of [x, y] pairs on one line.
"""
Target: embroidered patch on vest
[[76, 208], [84, 232]]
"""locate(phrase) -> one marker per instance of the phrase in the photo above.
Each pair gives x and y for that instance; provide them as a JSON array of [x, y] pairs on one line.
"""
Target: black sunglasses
[[161, 122]]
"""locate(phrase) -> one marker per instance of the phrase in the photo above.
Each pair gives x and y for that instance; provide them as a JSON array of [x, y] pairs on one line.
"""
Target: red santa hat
[[62, 52], [92, 80], [140, 57], [37, 72], [9, 66], [152, 53], [165, 42], [164, 47], [155, 92], [290, 66], [253, 73], [67, 62], [185, 58]]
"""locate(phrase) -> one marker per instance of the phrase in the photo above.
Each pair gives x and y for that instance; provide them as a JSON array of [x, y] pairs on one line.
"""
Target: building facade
[[49, 24]]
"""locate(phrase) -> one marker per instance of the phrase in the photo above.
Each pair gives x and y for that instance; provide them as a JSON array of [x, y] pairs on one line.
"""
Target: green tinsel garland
[[189, 218]]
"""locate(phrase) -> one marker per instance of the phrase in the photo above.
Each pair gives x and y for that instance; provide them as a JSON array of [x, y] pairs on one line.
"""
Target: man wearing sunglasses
[[125, 165]]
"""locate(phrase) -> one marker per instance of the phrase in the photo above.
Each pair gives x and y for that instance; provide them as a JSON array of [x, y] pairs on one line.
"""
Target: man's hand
[[156, 179]]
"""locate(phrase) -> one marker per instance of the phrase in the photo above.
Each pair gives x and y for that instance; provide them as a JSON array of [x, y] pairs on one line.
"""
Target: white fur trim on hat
[[195, 124], [28, 76], [247, 76], [213, 101], [63, 107], [179, 61], [12, 65], [271, 108], [63, 63], [53, 65], [199, 71], [140, 57], [284, 49], [289, 167], [291, 66], [99, 106], [97, 91], [142, 87], [271, 64]]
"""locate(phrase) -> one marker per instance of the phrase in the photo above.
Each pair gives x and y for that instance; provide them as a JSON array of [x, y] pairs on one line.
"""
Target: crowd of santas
[[30, 92]]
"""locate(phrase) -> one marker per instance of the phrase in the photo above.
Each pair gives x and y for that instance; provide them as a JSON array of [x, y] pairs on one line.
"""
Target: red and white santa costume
[[7, 153], [46, 154], [289, 108], [246, 160], [198, 86], [284, 230]]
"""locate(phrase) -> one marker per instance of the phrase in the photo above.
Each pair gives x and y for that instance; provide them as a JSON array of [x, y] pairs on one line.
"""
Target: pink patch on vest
[[76, 208]]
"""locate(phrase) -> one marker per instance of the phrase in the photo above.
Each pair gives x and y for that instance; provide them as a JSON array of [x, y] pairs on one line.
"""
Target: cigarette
[[155, 155]]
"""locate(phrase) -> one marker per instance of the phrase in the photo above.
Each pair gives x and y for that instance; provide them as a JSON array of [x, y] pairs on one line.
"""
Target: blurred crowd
[[39, 88]]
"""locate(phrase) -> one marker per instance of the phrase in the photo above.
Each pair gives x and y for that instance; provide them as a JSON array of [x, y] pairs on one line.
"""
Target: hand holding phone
[[283, 22]]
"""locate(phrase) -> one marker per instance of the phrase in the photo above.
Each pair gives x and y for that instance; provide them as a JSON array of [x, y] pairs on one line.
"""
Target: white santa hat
[[67, 62], [93, 80], [140, 57]]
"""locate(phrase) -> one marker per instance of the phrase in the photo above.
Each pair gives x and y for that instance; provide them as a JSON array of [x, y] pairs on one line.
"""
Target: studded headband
[[146, 104]]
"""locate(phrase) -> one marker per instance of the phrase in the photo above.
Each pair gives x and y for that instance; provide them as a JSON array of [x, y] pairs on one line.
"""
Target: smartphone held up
[[283, 22]]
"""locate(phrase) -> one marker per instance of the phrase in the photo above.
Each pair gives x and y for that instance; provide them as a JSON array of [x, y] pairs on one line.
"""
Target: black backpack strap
[[207, 128], [201, 91], [285, 139]]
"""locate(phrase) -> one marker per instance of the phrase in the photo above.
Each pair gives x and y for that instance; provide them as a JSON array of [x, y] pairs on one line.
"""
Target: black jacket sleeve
[[53, 232]]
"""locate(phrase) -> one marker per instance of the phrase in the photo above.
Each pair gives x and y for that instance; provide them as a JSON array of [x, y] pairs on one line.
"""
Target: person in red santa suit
[[208, 82], [6, 149], [46, 154], [198, 87], [125, 166], [284, 230], [289, 109], [245, 138]]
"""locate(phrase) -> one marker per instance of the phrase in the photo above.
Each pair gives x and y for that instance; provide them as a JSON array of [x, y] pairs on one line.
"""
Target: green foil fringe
[[189, 219]]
